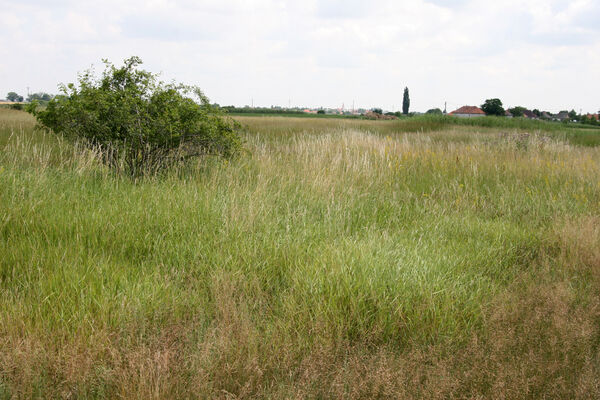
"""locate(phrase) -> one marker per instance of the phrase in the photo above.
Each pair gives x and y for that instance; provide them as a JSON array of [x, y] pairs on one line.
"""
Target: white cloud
[[543, 53]]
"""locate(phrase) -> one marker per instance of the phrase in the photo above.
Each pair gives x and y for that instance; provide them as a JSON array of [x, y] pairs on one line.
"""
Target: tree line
[[40, 96]]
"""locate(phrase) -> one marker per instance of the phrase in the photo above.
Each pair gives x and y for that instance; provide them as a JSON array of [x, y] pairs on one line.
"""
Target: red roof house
[[468, 112]]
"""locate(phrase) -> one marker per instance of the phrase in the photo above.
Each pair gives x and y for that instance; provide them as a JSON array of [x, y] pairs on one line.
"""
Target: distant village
[[462, 112], [490, 107], [473, 111]]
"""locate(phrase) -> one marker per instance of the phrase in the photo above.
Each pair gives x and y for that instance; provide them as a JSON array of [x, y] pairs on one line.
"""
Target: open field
[[333, 259], [577, 134]]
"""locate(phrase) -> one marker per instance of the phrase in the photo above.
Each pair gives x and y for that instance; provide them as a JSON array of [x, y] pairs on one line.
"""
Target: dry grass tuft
[[579, 242]]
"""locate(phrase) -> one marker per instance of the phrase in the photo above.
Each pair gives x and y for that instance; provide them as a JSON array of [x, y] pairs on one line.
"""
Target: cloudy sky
[[538, 53]]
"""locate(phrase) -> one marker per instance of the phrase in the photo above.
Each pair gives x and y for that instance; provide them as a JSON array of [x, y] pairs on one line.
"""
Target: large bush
[[140, 124]]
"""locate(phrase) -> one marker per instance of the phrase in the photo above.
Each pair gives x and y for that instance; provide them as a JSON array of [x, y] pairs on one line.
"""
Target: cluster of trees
[[591, 120], [260, 110], [40, 96], [494, 107], [13, 96]]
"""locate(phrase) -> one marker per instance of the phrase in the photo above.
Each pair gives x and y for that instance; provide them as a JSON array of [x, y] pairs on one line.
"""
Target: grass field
[[333, 259]]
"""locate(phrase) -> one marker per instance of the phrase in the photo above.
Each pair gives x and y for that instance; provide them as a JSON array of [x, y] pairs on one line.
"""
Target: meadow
[[334, 258]]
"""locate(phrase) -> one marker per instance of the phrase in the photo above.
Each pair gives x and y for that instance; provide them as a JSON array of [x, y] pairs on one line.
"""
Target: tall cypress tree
[[405, 102]]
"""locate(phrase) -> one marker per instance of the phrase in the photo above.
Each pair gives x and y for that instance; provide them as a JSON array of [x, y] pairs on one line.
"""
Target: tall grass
[[571, 133], [334, 259]]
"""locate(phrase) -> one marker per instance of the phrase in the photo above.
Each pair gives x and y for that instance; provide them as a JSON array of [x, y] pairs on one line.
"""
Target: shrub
[[140, 124], [517, 111]]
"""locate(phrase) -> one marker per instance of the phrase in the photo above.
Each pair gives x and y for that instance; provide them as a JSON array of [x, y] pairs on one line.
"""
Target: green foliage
[[588, 120], [572, 115], [434, 111], [517, 111], [260, 110], [377, 110], [493, 107], [13, 96], [321, 112], [41, 96], [141, 125], [405, 102]]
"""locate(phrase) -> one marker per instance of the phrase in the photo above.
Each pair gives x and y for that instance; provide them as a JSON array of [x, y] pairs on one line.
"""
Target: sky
[[541, 54]]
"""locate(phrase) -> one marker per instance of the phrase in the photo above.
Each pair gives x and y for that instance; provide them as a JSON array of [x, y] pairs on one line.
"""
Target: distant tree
[[405, 102], [12, 96], [377, 110], [41, 96], [321, 112], [517, 111], [435, 111], [493, 107], [572, 115], [537, 112]]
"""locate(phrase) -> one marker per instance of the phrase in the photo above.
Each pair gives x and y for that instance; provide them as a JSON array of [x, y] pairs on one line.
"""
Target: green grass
[[576, 134], [337, 258]]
